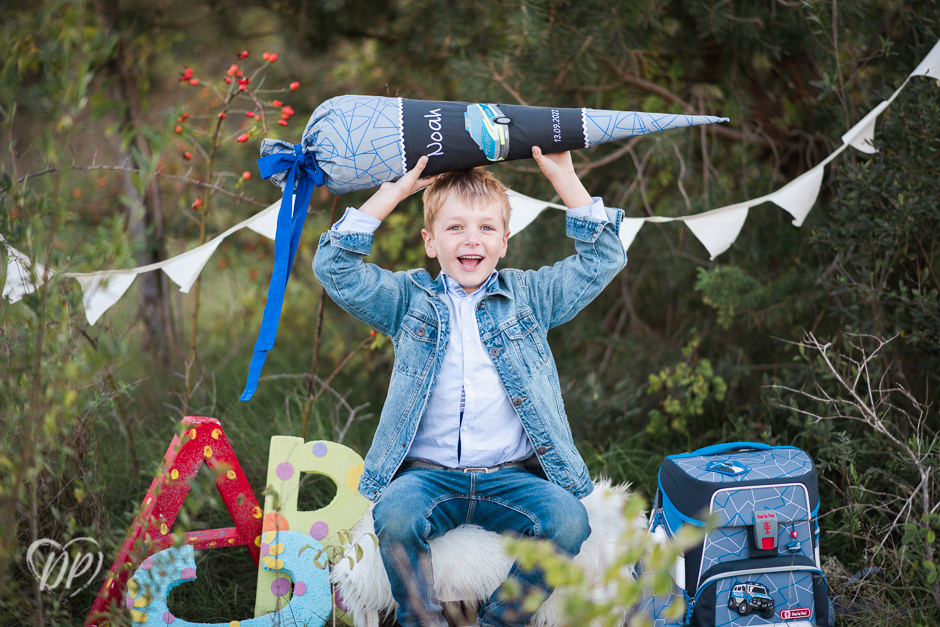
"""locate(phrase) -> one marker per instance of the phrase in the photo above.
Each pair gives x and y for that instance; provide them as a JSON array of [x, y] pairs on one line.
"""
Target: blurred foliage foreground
[[825, 337]]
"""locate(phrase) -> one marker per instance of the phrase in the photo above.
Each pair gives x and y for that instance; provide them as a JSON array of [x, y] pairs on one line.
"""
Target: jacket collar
[[435, 287]]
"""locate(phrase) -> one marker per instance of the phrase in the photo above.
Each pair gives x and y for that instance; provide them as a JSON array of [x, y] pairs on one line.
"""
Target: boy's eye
[[455, 227], [488, 228]]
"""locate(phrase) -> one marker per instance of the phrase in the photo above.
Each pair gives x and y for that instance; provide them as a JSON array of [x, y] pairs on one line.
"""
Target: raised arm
[[562, 290], [559, 171], [368, 292], [387, 197]]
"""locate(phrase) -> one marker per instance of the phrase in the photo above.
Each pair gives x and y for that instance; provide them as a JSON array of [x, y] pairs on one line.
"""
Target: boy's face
[[467, 240]]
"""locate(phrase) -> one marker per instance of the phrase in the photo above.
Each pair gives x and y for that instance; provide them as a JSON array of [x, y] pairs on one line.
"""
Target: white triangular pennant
[[185, 268], [100, 291], [862, 134], [930, 66], [524, 210], [18, 282], [799, 195], [718, 230], [265, 222], [629, 227]]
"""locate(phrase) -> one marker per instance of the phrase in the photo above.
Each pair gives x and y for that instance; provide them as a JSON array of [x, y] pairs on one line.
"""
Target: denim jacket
[[514, 317]]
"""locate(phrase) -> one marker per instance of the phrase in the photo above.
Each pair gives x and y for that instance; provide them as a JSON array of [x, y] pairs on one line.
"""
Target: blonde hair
[[471, 187]]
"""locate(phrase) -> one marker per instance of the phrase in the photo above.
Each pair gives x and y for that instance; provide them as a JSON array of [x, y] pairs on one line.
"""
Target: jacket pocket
[[525, 343], [415, 345]]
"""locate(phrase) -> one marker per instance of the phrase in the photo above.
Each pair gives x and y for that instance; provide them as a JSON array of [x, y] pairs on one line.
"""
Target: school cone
[[360, 142], [353, 143]]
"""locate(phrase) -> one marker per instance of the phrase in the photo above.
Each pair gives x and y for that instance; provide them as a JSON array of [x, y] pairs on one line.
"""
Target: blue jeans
[[419, 505]]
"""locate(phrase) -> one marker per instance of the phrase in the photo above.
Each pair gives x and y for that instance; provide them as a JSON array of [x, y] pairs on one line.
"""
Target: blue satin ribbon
[[303, 169]]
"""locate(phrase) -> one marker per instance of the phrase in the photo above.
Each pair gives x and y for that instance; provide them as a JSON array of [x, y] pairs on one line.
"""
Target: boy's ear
[[429, 244], [502, 253]]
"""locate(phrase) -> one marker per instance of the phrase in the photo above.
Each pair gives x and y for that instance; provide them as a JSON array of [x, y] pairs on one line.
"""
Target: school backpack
[[760, 565]]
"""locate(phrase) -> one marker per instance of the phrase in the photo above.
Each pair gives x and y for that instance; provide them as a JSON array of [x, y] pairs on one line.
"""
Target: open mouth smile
[[470, 262]]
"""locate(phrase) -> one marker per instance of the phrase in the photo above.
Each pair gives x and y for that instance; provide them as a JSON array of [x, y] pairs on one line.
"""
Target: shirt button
[[516, 402], [467, 382], [464, 429], [541, 450], [466, 337]]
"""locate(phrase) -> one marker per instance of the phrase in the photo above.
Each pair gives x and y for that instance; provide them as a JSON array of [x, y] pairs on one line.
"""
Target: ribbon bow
[[303, 170]]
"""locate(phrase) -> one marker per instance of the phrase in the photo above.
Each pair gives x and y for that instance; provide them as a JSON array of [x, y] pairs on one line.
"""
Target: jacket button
[[480, 306], [421, 331], [541, 450], [494, 351], [516, 402]]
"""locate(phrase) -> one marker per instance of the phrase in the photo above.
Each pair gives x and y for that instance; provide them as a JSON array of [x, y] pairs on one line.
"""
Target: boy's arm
[[387, 197], [370, 293], [559, 171], [560, 291]]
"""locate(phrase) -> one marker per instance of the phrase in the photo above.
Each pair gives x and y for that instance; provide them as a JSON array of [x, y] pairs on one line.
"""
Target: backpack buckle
[[765, 529]]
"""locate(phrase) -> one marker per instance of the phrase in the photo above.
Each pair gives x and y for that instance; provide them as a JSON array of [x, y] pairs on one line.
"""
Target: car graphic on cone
[[489, 128]]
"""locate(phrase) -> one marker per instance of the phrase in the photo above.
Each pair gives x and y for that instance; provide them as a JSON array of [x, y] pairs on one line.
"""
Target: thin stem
[[190, 360], [305, 416]]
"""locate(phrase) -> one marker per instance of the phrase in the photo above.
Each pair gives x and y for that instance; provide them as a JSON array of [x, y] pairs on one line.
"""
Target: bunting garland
[[716, 229]]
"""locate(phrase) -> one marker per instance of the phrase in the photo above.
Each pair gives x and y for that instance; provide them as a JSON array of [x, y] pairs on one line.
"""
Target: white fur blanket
[[469, 563]]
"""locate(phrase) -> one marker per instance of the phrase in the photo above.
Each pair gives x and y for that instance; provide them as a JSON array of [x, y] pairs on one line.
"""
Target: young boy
[[473, 430]]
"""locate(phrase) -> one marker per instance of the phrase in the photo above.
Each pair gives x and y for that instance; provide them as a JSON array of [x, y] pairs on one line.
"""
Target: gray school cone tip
[[360, 142]]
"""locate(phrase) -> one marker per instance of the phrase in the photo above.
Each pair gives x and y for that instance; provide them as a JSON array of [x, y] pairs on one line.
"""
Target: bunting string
[[716, 229]]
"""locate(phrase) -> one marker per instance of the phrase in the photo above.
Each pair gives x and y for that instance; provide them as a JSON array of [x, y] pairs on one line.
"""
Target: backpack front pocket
[[766, 591]]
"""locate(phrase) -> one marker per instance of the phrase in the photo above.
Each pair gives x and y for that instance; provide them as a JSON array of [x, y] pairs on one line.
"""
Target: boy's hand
[[387, 197], [559, 171]]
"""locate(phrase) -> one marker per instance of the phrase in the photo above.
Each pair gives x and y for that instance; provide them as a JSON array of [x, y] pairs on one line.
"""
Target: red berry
[[179, 129], [250, 114], [243, 55], [232, 69], [295, 85], [278, 103], [228, 81], [222, 115], [266, 56], [272, 58], [246, 175], [372, 333], [197, 203], [187, 155], [242, 138], [288, 110], [282, 122], [194, 81], [238, 73]]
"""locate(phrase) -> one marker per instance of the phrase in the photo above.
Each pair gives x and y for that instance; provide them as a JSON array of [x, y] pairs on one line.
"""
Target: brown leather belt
[[426, 465]]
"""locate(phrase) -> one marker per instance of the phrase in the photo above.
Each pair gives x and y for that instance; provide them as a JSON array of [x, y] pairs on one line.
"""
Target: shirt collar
[[455, 289]]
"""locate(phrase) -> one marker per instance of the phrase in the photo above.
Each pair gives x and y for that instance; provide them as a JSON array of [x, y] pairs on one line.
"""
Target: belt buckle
[[477, 469]]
